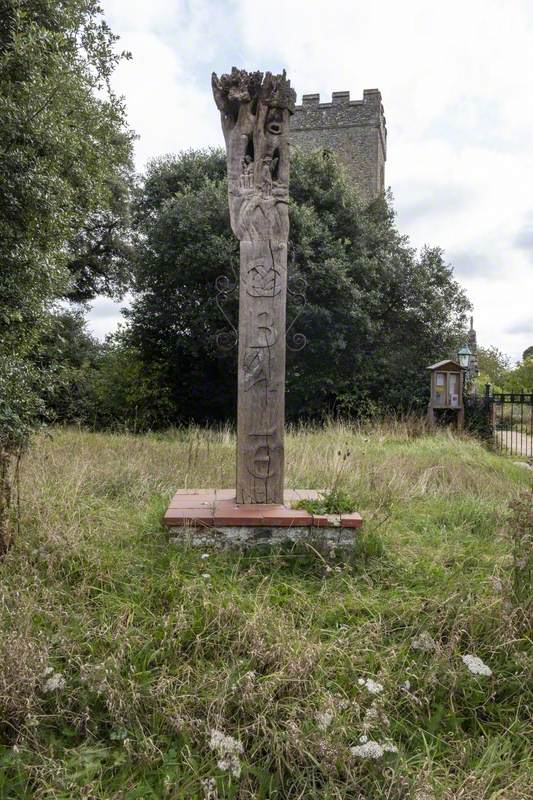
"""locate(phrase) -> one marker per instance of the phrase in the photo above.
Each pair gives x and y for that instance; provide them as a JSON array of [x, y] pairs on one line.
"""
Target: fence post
[[490, 408]]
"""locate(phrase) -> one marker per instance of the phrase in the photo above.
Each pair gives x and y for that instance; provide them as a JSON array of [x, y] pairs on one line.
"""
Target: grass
[[120, 653]]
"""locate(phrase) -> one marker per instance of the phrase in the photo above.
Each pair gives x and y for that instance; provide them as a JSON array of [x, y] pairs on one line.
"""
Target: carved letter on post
[[255, 110]]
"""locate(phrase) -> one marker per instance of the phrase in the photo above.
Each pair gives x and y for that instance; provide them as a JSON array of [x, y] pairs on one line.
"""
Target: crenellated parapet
[[355, 130]]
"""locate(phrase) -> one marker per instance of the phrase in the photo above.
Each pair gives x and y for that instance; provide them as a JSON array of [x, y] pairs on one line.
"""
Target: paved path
[[520, 444]]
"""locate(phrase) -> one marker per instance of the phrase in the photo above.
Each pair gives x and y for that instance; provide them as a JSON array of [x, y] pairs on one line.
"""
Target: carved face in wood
[[274, 121]]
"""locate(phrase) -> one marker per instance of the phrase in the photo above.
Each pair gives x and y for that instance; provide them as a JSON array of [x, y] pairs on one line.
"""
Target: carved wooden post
[[255, 110]]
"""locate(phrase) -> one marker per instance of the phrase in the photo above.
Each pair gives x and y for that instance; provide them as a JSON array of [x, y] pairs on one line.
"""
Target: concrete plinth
[[212, 516]]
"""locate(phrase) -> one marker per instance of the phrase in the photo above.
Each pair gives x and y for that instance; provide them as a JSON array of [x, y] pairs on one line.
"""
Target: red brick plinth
[[216, 508]]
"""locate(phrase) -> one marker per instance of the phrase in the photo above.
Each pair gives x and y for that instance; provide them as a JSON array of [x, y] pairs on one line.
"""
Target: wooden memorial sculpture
[[254, 110]]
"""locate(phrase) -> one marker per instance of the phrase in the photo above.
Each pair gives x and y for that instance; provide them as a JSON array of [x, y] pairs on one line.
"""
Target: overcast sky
[[457, 84]]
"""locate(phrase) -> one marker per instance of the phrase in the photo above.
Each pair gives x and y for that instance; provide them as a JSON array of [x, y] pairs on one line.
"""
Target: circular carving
[[263, 281]]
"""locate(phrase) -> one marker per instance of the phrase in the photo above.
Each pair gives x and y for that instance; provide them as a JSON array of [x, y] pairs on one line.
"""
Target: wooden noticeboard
[[447, 380]]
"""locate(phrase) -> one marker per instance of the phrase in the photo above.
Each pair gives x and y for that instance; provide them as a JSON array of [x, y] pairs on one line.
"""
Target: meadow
[[136, 667]]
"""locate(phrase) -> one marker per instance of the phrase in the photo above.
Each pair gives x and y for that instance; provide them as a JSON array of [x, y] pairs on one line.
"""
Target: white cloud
[[456, 83], [165, 109], [104, 316]]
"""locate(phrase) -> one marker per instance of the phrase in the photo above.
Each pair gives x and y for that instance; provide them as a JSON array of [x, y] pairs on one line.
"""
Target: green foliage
[[63, 144], [101, 253], [493, 367], [64, 148], [125, 393], [376, 312], [520, 378], [69, 357], [478, 416], [520, 530], [20, 403], [336, 501]]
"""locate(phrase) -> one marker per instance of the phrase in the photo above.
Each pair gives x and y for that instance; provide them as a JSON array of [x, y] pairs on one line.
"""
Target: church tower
[[355, 130]]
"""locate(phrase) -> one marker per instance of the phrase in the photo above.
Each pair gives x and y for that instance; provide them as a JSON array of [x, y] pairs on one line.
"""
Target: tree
[[377, 313], [70, 357], [493, 367], [64, 146], [527, 354], [520, 379], [101, 253]]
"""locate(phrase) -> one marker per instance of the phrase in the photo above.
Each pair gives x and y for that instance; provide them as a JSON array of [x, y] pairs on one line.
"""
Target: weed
[[335, 501]]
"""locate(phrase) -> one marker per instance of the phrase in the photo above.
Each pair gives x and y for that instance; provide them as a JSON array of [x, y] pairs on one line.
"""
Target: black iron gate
[[512, 422]]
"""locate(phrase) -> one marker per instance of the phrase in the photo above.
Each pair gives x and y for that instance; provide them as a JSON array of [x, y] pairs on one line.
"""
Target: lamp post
[[463, 354]]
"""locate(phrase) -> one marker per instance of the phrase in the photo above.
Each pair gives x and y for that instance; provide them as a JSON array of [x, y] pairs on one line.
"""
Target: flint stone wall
[[251, 536], [355, 130]]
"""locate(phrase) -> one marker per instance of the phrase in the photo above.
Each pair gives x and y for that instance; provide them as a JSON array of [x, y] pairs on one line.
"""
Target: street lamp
[[463, 354]]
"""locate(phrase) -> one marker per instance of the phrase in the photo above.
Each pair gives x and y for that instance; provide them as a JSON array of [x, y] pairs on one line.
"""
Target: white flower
[[324, 719], [228, 750], [367, 750], [209, 786], [389, 747], [206, 575], [204, 555], [221, 742], [372, 686], [424, 642], [406, 685], [370, 749], [55, 681], [374, 715], [476, 665], [230, 764]]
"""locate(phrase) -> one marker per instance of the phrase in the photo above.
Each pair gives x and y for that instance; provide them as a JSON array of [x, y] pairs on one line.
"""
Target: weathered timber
[[254, 110]]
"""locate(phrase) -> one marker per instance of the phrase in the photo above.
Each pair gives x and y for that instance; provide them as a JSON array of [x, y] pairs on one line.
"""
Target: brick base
[[213, 513]]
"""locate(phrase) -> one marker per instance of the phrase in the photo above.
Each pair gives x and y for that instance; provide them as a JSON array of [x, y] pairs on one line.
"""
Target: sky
[[456, 80]]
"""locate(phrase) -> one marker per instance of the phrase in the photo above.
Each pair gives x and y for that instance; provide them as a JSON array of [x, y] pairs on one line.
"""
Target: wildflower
[[209, 785], [368, 748], [406, 685], [374, 716], [228, 750], [55, 681], [206, 575], [204, 555], [424, 642], [324, 719], [372, 686], [476, 665]]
